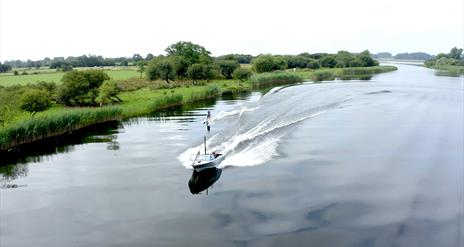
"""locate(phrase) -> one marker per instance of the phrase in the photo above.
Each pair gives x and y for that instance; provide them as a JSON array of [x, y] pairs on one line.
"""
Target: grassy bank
[[62, 120], [142, 97], [449, 70]]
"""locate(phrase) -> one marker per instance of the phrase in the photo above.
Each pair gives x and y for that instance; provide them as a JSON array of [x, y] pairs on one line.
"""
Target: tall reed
[[275, 78]]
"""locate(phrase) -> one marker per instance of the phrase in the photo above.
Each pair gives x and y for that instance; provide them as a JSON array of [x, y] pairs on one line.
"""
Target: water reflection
[[9, 173], [200, 181], [451, 73], [365, 77], [41, 150]]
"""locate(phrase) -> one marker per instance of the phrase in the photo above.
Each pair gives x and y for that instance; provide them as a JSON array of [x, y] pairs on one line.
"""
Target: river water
[[346, 163]]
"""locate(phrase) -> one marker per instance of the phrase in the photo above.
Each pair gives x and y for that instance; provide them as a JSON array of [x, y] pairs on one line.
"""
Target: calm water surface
[[349, 163]]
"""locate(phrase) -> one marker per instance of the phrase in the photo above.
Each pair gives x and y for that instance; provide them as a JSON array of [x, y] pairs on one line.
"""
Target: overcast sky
[[34, 29]]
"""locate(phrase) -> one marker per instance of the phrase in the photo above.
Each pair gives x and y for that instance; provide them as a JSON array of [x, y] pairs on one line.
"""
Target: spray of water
[[253, 132]]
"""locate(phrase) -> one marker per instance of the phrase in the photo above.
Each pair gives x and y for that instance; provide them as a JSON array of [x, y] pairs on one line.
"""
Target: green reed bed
[[323, 75], [54, 124], [365, 70], [275, 78]]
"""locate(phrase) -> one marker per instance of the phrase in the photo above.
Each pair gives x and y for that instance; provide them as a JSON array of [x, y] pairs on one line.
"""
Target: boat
[[206, 160]]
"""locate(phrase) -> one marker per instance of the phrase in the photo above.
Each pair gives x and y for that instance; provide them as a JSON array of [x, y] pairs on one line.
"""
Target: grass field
[[8, 79]]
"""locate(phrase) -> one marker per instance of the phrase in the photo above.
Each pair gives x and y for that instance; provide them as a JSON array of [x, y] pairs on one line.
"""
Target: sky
[[34, 29]]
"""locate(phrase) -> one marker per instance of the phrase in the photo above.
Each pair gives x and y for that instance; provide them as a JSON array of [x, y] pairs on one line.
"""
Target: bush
[[227, 67], [241, 74], [109, 90], [48, 87], [313, 64], [34, 101], [268, 63], [196, 72], [366, 59], [81, 87], [328, 61]]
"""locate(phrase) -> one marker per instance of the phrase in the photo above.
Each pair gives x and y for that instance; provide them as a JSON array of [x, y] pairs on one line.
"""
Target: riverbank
[[448, 70], [60, 120]]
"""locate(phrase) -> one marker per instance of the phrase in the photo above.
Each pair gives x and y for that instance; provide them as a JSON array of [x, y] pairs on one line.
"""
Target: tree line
[[405, 55], [454, 57], [182, 61]]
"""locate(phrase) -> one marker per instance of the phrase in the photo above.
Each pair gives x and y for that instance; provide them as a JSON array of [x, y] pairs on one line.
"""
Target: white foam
[[255, 153]]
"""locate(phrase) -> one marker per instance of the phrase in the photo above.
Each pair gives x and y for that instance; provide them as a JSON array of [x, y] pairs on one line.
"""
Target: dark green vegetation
[[403, 56], [34, 100], [186, 73], [81, 88], [451, 63]]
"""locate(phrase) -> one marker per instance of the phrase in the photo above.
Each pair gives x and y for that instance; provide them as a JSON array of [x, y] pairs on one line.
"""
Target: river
[[345, 163]]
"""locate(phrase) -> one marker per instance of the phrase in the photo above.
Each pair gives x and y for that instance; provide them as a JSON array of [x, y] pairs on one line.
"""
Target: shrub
[[81, 87], [227, 67], [242, 74], [34, 101], [313, 64], [328, 61], [109, 90], [268, 63]]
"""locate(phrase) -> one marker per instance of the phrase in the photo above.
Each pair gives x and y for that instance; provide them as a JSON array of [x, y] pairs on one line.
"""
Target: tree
[[227, 67], [136, 57], [313, 64], [366, 59], [343, 59], [149, 57], [242, 74], [455, 53], [328, 61], [180, 64], [196, 72], [124, 62], [109, 90], [267, 63], [161, 68], [211, 72], [81, 87], [193, 53], [34, 100], [141, 67], [4, 68], [297, 61]]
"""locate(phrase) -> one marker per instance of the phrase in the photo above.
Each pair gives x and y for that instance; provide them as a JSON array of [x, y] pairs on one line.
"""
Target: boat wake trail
[[252, 133]]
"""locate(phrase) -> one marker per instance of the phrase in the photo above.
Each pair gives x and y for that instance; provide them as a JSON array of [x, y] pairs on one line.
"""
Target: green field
[[8, 79]]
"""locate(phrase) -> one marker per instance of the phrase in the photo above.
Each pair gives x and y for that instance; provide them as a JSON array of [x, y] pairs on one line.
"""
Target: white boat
[[206, 160]]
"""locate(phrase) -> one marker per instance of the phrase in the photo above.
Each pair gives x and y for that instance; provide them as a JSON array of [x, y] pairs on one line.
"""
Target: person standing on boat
[[207, 122]]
